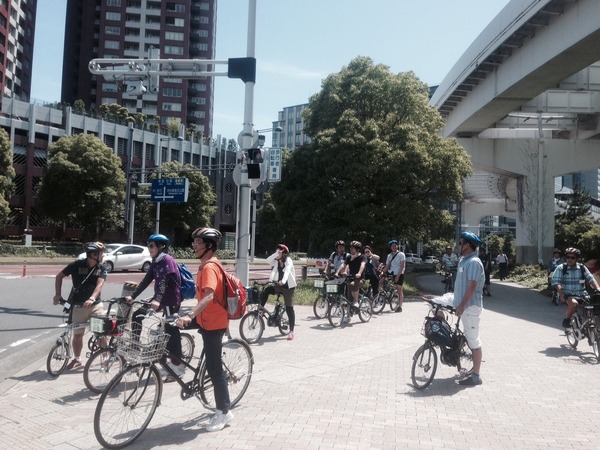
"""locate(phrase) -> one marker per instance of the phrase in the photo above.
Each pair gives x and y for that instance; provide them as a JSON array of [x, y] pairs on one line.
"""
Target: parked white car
[[125, 257], [431, 260], [413, 258]]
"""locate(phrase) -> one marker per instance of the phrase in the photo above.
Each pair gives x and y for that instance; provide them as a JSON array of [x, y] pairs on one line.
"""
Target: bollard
[[24, 274], [304, 273]]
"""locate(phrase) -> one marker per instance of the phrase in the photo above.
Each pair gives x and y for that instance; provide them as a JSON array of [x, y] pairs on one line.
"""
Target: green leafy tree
[[79, 107], [84, 183], [7, 174], [376, 166], [574, 221], [178, 220]]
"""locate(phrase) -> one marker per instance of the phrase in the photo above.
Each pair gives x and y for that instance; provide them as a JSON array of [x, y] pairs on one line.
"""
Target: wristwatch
[[191, 315]]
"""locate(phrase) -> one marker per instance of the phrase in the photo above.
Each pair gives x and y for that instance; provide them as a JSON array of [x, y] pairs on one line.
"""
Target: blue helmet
[[159, 239], [471, 238], [393, 241]]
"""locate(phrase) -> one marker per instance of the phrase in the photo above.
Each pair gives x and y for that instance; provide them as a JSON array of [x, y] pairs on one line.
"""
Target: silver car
[[125, 257]]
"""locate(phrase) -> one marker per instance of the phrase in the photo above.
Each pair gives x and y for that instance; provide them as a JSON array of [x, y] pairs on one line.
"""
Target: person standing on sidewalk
[[284, 277], [167, 298], [88, 278], [210, 314], [502, 261], [468, 299], [395, 264]]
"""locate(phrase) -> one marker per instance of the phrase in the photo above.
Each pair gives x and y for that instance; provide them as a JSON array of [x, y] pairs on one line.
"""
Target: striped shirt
[[470, 268]]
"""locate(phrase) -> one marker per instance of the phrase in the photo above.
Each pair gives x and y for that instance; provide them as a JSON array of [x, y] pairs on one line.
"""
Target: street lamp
[[159, 164]]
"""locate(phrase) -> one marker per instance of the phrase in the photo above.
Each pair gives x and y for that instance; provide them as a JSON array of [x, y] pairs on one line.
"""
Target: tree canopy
[[7, 173], [84, 183], [376, 167]]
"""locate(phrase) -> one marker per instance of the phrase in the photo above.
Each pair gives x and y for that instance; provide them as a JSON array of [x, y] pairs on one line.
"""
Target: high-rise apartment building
[[17, 31], [178, 29], [292, 123]]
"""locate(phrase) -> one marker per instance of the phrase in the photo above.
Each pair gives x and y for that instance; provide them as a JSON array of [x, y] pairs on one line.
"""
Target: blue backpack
[[187, 288]]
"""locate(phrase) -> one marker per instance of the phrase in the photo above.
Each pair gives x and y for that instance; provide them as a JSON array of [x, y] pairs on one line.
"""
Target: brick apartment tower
[[17, 31], [179, 29]]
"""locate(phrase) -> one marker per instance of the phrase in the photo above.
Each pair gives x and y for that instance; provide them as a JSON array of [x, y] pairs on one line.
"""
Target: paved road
[[350, 388]]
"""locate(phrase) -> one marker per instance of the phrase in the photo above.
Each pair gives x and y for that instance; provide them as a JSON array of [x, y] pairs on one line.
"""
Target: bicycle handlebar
[[448, 308]]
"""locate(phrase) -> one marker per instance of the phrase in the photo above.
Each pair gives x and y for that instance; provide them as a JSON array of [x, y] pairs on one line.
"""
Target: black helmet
[[158, 238], [207, 234], [92, 247], [471, 238]]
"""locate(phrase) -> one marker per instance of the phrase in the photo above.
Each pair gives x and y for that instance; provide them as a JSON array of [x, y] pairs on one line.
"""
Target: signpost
[[274, 168], [170, 190]]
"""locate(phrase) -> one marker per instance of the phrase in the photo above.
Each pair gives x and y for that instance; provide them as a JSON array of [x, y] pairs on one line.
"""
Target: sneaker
[[399, 309], [355, 305], [179, 369], [290, 336], [471, 381], [74, 364], [219, 420], [566, 323], [347, 319]]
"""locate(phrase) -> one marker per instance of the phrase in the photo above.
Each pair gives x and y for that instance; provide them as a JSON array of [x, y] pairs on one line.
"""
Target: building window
[[109, 87], [204, 6], [111, 44], [175, 7], [173, 50], [175, 21], [115, 31], [113, 2], [110, 15], [174, 36], [172, 92], [171, 106]]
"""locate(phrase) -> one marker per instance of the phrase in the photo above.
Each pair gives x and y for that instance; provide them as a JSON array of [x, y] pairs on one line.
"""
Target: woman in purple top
[[164, 271]]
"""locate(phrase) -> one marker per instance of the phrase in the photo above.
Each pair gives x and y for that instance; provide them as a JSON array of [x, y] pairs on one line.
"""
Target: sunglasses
[[571, 257]]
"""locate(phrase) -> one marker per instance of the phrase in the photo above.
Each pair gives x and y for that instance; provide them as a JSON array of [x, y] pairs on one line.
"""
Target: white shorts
[[470, 325]]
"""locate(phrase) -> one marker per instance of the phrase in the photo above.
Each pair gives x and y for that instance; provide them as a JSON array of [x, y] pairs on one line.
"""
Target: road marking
[[22, 341]]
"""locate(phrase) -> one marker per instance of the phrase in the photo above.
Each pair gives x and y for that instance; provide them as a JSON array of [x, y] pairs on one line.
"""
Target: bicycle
[[341, 309], [583, 324], [252, 325], [130, 400], [323, 300], [105, 362], [387, 294], [454, 350], [61, 353]]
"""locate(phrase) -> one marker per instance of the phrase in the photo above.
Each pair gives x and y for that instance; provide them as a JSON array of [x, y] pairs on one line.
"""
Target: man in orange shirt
[[211, 316]]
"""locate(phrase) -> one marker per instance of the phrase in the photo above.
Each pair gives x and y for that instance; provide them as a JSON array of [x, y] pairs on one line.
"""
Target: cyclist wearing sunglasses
[[569, 279]]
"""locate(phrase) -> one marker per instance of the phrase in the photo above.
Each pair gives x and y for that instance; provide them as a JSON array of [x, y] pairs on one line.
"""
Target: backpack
[[187, 287], [234, 294], [565, 268]]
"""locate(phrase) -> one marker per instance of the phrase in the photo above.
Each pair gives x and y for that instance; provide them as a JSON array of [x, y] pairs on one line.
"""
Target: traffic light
[[256, 159]]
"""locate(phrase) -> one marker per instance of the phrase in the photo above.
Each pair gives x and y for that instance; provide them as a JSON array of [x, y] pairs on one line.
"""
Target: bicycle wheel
[[127, 406], [320, 307], [188, 345], [595, 342], [365, 310], [284, 324], [379, 303], [465, 358], [336, 313], [100, 368], [394, 301], [424, 366], [571, 338], [252, 327], [58, 358], [237, 364]]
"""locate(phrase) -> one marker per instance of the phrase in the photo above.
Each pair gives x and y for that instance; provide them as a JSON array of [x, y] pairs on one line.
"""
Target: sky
[[299, 43]]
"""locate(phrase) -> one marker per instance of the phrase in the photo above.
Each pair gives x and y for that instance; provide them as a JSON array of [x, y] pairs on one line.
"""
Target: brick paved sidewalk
[[350, 388]]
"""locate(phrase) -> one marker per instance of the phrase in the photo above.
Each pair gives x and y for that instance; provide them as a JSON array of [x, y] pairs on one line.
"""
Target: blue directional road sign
[[174, 190]]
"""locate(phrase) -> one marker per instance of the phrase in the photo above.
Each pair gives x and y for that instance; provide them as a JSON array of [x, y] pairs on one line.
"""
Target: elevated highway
[[524, 101]]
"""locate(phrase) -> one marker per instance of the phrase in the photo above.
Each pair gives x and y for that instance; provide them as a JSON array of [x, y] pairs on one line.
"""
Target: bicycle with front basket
[[341, 308], [454, 350], [105, 362], [252, 325], [323, 300], [129, 401]]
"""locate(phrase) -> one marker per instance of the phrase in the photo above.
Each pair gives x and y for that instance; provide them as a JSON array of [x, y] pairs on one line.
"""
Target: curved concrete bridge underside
[[524, 101]]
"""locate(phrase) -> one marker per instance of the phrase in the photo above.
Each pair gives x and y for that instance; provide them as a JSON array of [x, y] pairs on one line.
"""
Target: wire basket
[[141, 344]]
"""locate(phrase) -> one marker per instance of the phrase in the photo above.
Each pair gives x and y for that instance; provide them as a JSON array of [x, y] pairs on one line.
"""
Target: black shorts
[[400, 281]]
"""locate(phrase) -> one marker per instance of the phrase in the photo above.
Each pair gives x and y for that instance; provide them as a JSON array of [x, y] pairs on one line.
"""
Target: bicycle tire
[[596, 342], [571, 338], [238, 363], [465, 358], [395, 301], [127, 406], [58, 358], [379, 303], [365, 310], [188, 346], [284, 324], [336, 314], [252, 327], [424, 366], [320, 306], [100, 368]]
